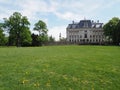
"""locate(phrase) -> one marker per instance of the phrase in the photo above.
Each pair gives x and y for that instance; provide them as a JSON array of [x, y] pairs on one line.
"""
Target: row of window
[[96, 31], [86, 36], [96, 36], [85, 33], [87, 40]]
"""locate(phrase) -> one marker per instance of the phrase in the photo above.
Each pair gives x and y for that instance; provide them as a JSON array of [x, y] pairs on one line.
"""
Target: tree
[[18, 29], [25, 35], [35, 40], [41, 27], [110, 30], [51, 39], [118, 33], [3, 39]]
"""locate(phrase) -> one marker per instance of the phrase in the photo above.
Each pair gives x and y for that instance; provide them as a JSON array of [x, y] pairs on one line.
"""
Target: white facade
[[85, 31]]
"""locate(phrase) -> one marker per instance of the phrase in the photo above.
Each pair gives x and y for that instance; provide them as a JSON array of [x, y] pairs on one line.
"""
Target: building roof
[[85, 24]]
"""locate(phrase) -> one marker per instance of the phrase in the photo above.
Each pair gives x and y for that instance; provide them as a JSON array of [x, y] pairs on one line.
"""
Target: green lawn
[[60, 68]]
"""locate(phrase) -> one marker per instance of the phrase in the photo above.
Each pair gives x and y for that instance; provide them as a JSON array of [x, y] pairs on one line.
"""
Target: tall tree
[[18, 28], [41, 27], [110, 30]]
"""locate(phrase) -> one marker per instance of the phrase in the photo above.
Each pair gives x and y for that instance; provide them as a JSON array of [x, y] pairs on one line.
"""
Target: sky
[[57, 14]]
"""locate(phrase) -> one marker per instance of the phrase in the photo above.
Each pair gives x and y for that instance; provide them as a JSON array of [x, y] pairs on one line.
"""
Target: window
[[90, 36], [85, 36], [99, 40], [80, 36]]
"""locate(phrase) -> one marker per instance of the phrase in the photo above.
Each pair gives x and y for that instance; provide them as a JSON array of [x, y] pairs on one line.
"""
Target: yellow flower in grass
[[52, 73], [48, 83], [74, 79], [85, 82], [65, 77], [26, 73], [101, 80], [70, 88], [92, 88], [25, 81], [47, 65], [44, 70], [36, 84]]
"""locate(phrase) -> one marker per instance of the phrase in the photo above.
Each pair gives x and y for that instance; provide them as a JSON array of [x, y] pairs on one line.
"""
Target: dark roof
[[85, 24]]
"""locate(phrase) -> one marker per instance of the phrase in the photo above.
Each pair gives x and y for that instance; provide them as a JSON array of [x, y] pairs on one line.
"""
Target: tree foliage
[[3, 39], [51, 39], [118, 33], [111, 30], [41, 27], [18, 29], [35, 40]]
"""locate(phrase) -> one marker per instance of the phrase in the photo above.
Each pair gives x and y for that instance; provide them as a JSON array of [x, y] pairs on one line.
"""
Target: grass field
[[60, 68]]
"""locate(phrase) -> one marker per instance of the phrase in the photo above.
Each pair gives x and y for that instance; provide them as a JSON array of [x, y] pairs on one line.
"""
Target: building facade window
[[85, 36], [80, 36]]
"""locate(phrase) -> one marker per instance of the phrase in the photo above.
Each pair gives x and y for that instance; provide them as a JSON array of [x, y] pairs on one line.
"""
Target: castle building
[[85, 31]]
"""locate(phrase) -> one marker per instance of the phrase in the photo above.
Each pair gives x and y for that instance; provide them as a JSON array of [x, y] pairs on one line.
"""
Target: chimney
[[73, 22], [97, 21]]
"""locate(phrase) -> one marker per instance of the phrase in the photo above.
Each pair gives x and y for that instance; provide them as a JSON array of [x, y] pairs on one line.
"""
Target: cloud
[[31, 8], [77, 9], [74, 10], [67, 10], [68, 16]]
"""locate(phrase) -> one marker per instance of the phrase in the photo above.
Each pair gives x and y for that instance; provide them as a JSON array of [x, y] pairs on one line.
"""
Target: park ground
[[60, 68]]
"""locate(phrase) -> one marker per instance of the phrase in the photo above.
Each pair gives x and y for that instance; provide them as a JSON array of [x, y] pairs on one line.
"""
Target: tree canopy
[[41, 27], [112, 30], [118, 33], [18, 29]]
